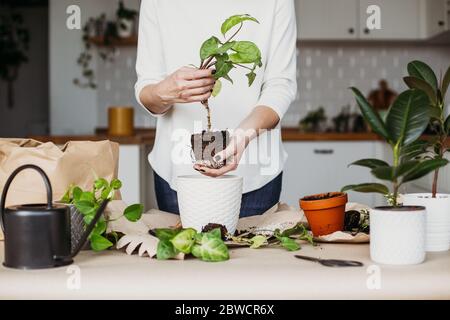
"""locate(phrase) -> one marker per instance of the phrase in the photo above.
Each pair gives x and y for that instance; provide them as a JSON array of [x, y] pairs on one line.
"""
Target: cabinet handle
[[366, 30], [323, 151], [351, 30], [441, 23]]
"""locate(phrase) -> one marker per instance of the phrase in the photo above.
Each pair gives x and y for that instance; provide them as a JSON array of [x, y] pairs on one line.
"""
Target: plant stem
[[242, 66], [208, 110], [395, 183], [237, 31]]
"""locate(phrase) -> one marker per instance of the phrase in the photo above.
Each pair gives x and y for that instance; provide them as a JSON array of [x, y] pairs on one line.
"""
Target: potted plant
[[422, 77], [397, 232], [125, 21], [223, 195], [325, 212]]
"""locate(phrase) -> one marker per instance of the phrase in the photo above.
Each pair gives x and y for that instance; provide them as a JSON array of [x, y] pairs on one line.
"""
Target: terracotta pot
[[325, 215]]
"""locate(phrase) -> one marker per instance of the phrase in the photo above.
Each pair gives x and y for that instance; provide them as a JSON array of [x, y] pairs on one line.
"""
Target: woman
[[170, 35]]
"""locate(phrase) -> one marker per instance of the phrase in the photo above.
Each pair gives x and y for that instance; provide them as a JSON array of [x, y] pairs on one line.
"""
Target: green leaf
[[408, 117], [116, 184], [166, 233], [107, 193], [99, 243], [258, 241], [413, 150], [184, 240], [223, 66], [134, 212], [246, 52], [100, 226], [416, 83], [367, 188], [445, 82], [165, 250], [235, 20], [76, 193], [406, 167], [424, 168], [384, 173], [370, 163], [289, 243], [371, 115], [209, 48], [211, 249], [435, 112], [215, 233], [422, 71], [217, 88], [225, 47], [87, 196], [85, 207], [251, 77], [447, 124], [88, 218], [100, 183]]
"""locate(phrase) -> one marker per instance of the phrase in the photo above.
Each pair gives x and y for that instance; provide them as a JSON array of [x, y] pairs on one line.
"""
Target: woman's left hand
[[232, 154]]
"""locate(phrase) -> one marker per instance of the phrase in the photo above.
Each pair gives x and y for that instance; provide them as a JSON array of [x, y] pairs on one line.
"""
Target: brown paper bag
[[77, 162]]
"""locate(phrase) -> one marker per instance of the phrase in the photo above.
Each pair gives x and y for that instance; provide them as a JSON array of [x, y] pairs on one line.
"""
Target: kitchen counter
[[147, 136], [250, 274]]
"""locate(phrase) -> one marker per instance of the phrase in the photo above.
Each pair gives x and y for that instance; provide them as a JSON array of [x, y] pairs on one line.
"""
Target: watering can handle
[[44, 176]]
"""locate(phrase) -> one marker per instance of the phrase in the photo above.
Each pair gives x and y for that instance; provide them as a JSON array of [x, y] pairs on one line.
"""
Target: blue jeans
[[253, 203]]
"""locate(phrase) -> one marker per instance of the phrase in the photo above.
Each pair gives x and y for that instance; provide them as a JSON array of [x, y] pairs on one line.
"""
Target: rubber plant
[[422, 77], [225, 55], [87, 203], [406, 120]]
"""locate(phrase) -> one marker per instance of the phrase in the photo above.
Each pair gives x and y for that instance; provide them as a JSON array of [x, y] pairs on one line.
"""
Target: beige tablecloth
[[249, 274]]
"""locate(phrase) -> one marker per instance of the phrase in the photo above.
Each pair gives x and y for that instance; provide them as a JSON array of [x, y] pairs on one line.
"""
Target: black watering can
[[38, 236]]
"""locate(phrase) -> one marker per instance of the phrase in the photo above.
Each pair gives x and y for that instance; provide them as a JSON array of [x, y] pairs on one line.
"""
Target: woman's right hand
[[186, 85]]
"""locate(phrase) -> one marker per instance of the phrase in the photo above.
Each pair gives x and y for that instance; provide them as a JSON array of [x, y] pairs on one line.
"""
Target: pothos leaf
[[211, 249], [258, 241], [235, 20], [166, 233], [246, 52], [289, 243], [209, 48], [184, 240], [134, 212], [217, 88], [251, 77], [99, 243], [165, 250]]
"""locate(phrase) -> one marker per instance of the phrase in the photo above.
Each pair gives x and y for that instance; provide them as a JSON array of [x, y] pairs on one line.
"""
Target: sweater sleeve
[[279, 87], [150, 64]]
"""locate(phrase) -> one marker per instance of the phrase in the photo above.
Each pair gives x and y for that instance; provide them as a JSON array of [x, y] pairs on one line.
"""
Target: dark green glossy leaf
[[251, 77], [406, 167], [408, 117], [417, 83], [424, 168], [165, 250], [447, 124], [370, 163], [413, 150], [422, 71], [445, 82], [223, 66], [371, 115], [99, 243], [384, 173], [209, 48], [235, 20], [435, 112], [134, 212], [367, 188]]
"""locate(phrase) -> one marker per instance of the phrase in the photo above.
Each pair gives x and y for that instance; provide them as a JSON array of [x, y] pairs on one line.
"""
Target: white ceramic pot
[[397, 236], [204, 200], [125, 28], [437, 220]]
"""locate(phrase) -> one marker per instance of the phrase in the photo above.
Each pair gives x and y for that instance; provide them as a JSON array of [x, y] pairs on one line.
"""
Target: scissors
[[332, 262]]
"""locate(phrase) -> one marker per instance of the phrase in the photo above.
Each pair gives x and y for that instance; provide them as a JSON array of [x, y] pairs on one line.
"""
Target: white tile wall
[[325, 71]]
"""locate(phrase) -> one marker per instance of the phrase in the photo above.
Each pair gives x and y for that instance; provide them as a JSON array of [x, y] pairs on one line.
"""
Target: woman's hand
[[185, 85], [232, 154]]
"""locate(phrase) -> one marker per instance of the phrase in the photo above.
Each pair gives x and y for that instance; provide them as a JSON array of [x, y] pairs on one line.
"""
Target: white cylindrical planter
[[204, 200], [125, 28], [397, 236], [437, 220]]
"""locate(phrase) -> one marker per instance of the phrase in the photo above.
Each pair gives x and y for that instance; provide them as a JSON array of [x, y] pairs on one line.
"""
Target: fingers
[[190, 84], [216, 172], [194, 73], [199, 98]]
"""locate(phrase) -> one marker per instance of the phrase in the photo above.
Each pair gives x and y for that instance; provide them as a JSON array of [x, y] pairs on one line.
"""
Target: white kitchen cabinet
[[130, 173], [436, 17], [316, 167], [327, 19], [400, 19]]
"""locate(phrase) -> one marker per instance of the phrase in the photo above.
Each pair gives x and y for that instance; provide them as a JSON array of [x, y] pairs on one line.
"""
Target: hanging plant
[[14, 45]]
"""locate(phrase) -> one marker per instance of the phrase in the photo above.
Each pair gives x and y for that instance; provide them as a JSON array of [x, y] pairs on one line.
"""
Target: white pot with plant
[[397, 232], [423, 78], [204, 200], [126, 19]]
